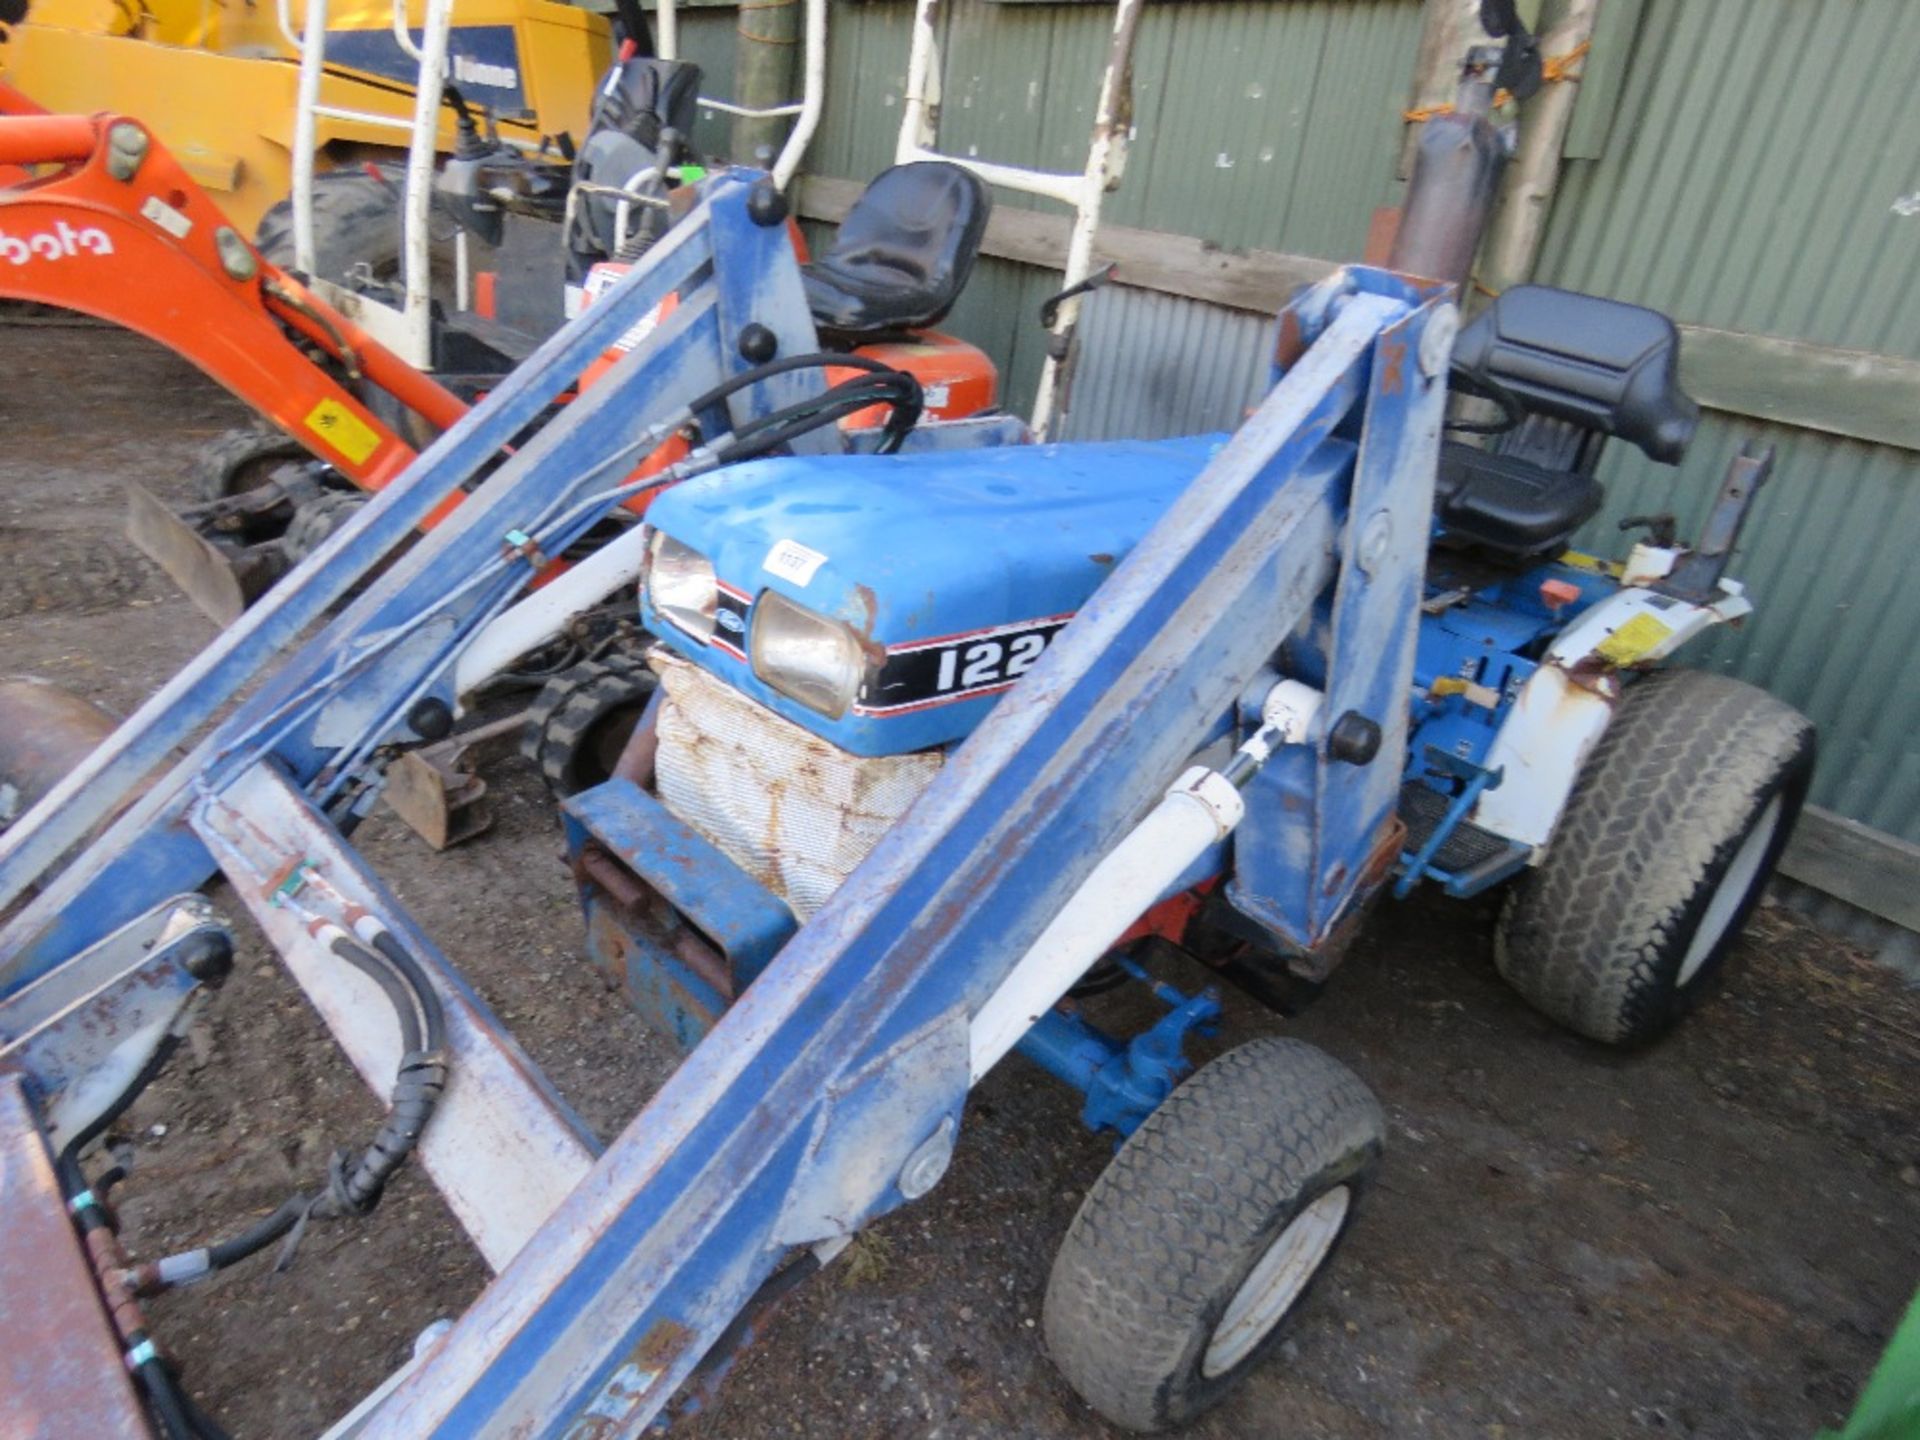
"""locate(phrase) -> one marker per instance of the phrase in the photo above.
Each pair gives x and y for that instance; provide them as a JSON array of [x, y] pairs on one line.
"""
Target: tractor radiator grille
[[793, 811]]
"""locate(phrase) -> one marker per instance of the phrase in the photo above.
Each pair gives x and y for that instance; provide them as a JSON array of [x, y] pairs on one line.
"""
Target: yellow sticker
[[1591, 564], [343, 430], [1635, 640]]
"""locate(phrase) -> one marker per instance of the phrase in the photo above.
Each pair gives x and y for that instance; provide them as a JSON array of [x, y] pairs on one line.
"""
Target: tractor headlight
[[681, 586], [805, 656]]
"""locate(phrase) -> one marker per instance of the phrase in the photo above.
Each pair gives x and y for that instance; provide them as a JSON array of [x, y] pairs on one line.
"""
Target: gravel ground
[[1709, 1239]]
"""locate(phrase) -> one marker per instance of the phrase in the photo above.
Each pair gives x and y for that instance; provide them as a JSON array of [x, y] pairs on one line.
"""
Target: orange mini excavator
[[97, 217]]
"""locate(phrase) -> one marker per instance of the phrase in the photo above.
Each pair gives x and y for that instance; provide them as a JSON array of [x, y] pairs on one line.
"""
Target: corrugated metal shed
[[1256, 124], [1749, 183]]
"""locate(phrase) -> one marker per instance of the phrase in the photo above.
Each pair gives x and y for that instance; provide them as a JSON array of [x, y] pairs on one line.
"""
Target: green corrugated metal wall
[[1742, 176], [1748, 183], [1263, 124]]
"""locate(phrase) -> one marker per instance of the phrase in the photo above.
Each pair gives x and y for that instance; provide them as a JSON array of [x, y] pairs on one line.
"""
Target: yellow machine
[[216, 78]]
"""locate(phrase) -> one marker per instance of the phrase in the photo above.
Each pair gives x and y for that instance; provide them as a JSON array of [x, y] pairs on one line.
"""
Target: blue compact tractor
[[934, 733]]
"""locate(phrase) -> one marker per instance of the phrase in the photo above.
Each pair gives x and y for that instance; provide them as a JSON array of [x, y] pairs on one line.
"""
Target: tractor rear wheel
[[1667, 842], [582, 720], [1204, 1235]]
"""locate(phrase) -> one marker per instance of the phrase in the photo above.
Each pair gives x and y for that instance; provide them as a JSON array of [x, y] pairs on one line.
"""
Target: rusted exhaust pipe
[[1456, 173], [45, 732]]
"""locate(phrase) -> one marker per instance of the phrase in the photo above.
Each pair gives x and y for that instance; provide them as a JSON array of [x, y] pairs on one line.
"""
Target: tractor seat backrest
[[642, 97], [1599, 364], [903, 254]]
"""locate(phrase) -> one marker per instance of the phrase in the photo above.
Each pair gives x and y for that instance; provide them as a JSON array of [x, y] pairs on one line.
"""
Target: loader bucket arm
[[833, 1090]]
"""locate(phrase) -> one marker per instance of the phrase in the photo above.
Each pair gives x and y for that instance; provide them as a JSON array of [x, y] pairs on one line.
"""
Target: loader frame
[[833, 1090]]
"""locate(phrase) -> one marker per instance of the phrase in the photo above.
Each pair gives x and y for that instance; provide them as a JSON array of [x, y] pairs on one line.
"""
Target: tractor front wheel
[[1667, 841], [1201, 1239]]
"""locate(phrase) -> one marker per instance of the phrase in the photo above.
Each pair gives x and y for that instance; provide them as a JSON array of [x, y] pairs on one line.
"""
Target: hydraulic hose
[[355, 1182], [882, 385]]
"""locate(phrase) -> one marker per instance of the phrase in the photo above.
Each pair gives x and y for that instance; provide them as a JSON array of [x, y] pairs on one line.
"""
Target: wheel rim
[[1735, 883], [1276, 1281]]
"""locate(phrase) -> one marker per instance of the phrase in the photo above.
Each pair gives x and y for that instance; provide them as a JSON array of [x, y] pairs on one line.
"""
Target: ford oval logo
[[730, 620]]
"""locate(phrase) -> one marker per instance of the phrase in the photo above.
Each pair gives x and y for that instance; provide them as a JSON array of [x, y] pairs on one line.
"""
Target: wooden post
[[764, 76], [1533, 175]]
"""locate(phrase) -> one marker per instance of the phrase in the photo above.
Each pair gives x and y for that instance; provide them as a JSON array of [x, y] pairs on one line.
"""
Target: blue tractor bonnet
[[954, 570]]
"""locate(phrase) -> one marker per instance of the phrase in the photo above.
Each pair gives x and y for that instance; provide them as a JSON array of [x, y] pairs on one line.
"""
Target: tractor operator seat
[[903, 253], [1582, 369]]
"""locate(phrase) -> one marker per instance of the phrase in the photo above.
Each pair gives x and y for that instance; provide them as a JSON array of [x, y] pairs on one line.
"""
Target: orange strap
[[1553, 69]]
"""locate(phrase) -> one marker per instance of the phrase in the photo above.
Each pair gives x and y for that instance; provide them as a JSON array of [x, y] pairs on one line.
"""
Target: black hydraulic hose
[[429, 998], [163, 1394], [355, 1183], [257, 1236], [204, 1425], [392, 984], [179, 1418]]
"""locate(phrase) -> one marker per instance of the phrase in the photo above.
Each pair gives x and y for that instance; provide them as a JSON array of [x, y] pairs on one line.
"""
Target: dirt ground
[[1711, 1239]]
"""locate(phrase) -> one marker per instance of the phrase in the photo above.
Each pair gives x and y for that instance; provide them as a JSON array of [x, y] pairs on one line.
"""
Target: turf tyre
[[1677, 820], [1176, 1228]]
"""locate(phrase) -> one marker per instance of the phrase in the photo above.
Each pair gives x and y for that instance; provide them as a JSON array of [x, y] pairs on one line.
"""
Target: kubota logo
[[55, 244]]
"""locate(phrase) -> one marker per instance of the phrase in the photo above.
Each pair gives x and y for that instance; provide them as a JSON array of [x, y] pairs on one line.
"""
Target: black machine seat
[[903, 253], [1510, 504], [1595, 363], [642, 100], [1570, 370]]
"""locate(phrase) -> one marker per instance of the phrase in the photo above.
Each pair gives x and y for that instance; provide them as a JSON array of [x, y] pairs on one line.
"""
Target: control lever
[[1695, 576], [1050, 307]]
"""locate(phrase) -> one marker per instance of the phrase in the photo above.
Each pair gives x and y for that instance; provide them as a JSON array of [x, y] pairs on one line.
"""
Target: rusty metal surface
[[45, 732], [194, 564], [83, 1033], [793, 811], [62, 1371], [437, 790], [635, 905]]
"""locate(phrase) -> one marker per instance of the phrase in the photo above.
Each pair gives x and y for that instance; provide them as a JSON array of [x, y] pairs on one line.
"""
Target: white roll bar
[[1085, 192], [411, 331]]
